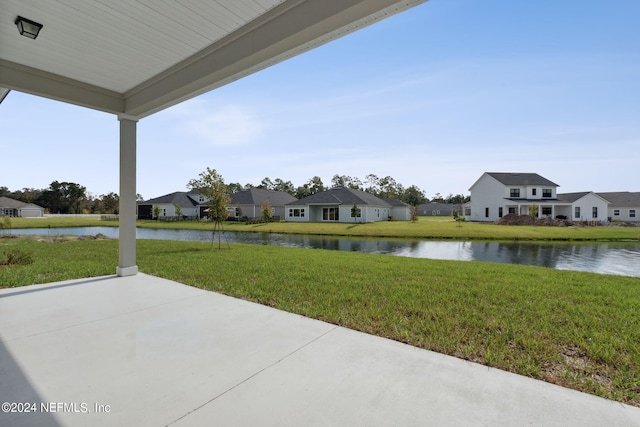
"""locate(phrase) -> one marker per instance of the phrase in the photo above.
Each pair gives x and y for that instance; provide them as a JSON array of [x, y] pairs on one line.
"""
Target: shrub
[[17, 257]]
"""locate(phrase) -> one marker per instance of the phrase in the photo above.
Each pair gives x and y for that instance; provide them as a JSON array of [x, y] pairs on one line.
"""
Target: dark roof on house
[[622, 198], [438, 205], [516, 178], [572, 197], [395, 202], [341, 196], [7, 202], [257, 196], [179, 198]]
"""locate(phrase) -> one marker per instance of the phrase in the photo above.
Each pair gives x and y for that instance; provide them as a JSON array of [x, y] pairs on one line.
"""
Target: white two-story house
[[496, 194]]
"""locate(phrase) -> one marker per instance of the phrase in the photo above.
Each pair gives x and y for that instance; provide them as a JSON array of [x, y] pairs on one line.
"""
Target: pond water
[[606, 258]]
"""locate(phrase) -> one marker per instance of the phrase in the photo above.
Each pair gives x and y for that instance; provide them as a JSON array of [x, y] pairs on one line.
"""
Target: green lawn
[[426, 227], [579, 330]]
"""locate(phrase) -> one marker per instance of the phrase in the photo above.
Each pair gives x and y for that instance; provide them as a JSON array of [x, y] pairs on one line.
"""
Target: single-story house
[[623, 205], [12, 207], [336, 204], [436, 209], [190, 204], [248, 203], [495, 195], [399, 209]]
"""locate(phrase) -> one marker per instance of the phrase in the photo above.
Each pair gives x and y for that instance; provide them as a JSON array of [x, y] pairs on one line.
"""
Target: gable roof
[[179, 198], [257, 196], [396, 203], [517, 178], [7, 202], [341, 196], [622, 198], [572, 197]]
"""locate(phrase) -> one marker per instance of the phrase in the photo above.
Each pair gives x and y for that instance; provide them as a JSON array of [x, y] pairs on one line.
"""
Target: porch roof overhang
[[538, 201], [136, 57]]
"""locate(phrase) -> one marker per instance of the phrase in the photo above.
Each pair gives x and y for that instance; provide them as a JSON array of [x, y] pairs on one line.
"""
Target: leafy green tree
[[389, 188], [355, 212], [156, 212], [267, 214], [284, 186], [109, 203], [413, 212], [315, 185], [346, 181], [178, 211], [64, 197], [413, 196], [211, 185], [266, 184], [234, 187]]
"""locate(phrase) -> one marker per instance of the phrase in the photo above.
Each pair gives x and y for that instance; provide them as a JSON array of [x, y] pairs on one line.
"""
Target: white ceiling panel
[[139, 56]]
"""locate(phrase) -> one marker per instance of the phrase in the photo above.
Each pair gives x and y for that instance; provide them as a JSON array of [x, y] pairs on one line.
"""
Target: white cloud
[[226, 125]]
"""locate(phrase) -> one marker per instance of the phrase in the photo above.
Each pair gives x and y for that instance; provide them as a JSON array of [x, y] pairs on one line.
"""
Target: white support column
[[127, 223]]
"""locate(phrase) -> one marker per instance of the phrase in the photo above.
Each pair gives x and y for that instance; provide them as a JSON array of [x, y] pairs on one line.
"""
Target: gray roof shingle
[[515, 178], [341, 196], [622, 198], [179, 198], [257, 196]]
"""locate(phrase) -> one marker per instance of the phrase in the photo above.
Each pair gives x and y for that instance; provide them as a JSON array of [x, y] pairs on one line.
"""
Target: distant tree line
[[72, 198], [384, 188], [66, 198]]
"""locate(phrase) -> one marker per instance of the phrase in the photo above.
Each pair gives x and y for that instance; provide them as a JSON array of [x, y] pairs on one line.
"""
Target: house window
[[616, 212], [546, 192], [512, 210], [296, 213], [467, 211], [594, 212], [546, 211], [330, 214], [577, 213], [486, 212], [514, 192], [534, 191], [632, 213], [500, 212]]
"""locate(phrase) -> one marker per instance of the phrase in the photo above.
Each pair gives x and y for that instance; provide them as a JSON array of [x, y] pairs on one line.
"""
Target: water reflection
[[606, 258]]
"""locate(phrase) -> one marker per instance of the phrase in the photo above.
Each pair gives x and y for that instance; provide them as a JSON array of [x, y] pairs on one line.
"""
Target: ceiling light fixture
[[27, 27]]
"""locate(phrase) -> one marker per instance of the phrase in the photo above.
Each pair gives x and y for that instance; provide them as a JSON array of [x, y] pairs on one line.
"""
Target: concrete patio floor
[[144, 351]]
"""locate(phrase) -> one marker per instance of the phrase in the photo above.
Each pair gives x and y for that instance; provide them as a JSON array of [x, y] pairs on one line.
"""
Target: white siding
[[586, 205], [624, 213], [487, 193]]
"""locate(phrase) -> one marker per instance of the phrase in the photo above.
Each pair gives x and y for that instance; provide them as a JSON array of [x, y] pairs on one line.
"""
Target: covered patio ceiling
[[137, 57]]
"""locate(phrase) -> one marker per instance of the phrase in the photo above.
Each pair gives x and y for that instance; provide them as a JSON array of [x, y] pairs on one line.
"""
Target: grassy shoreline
[[578, 330], [425, 228]]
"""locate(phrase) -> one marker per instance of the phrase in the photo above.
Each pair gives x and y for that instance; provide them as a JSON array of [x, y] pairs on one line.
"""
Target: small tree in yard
[[211, 185], [413, 211], [267, 214], [355, 212], [156, 212], [533, 210]]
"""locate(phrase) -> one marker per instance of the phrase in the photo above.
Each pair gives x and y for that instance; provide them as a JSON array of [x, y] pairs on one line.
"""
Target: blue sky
[[432, 97]]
